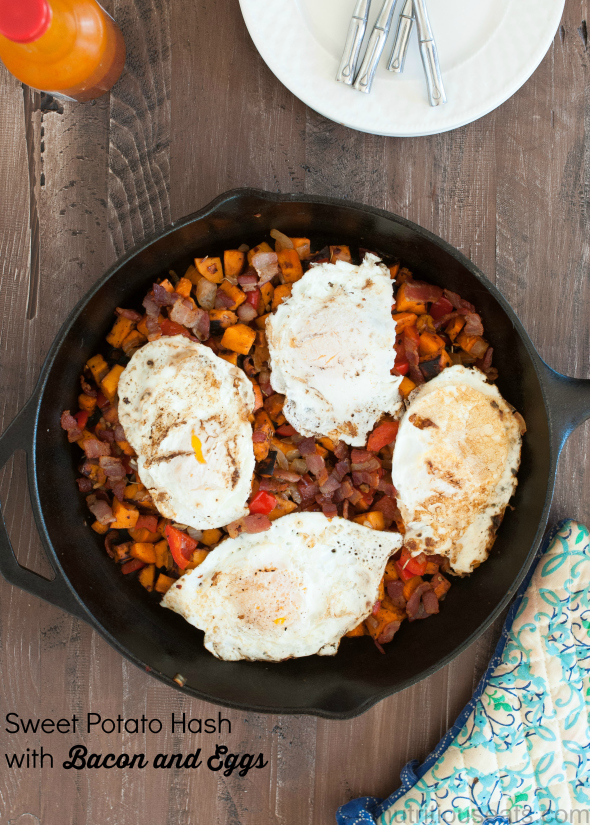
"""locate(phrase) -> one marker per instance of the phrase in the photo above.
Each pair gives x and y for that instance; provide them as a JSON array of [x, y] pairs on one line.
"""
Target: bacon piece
[[473, 324], [329, 509], [153, 328], [118, 487], [411, 351], [246, 313], [307, 447], [395, 591], [372, 479], [342, 468], [201, 325], [259, 436], [248, 281], [95, 448], [130, 314], [101, 510], [422, 291], [256, 523], [388, 632], [266, 265], [415, 607], [152, 309], [113, 467], [367, 466], [308, 489], [163, 298], [315, 463], [355, 496], [84, 485], [224, 301], [430, 602], [385, 486], [487, 359], [119, 433], [69, 423], [360, 456], [331, 485], [341, 451], [185, 312], [457, 301], [388, 507], [105, 435]]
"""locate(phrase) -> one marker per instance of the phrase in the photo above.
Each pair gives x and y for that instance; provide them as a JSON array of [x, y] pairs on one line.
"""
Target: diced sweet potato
[[144, 535], [233, 263], [425, 323], [374, 519], [193, 274], [266, 293], [473, 344], [262, 425], [146, 577], [164, 583], [211, 537], [126, 515], [430, 345], [220, 319], [391, 574], [121, 329], [210, 268], [238, 338], [99, 528], [303, 247], [454, 327], [282, 508], [387, 613], [281, 292], [403, 320], [234, 292], [183, 287], [260, 322], [133, 341], [126, 447], [274, 407], [144, 551], [411, 585], [340, 253], [86, 402], [163, 555], [406, 387], [327, 444], [290, 264], [405, 305], [165, 284], [393, 270], [231, 357], [110, 382], [98, 367], [258, 397], [359, 630], [198, 557]]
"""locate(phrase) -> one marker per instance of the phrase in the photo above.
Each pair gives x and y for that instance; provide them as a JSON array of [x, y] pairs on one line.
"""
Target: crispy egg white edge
[[277, 325], [475, 542], [285, 544], [131, 417]]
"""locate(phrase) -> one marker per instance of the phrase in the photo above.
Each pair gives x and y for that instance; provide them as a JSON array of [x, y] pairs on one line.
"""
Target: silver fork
[[364, 79], [354, 39]]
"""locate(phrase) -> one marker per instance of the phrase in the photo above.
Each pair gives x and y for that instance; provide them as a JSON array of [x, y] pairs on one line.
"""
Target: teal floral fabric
[[520, 751]]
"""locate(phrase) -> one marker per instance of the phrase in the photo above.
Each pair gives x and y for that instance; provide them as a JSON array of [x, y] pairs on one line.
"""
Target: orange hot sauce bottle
[[66, 47]]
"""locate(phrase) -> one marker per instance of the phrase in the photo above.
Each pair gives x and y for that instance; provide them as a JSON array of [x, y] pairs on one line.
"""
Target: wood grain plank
[[233, 124]]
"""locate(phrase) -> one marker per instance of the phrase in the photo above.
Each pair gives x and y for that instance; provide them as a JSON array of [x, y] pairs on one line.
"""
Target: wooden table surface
[[196, 113]]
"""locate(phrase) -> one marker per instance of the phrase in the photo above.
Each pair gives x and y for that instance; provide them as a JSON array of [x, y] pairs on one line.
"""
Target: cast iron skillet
[[89, 585]]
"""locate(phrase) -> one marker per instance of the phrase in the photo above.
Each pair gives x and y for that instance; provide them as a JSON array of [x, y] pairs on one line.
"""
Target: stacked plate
[[488, 49]]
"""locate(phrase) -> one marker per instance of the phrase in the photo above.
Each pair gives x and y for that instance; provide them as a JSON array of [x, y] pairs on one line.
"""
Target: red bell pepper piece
[[181, 546], [440, 308], [82, 418], [286, 430], [263, 503], [148, 523], [102, 400], [412, 334], [169, 327], [253, 298], [382, 435], [409, 566], [132, 565]]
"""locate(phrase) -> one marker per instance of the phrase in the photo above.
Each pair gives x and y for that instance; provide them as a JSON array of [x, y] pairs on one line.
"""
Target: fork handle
[[436, 91], [356, 32], [400, 44]]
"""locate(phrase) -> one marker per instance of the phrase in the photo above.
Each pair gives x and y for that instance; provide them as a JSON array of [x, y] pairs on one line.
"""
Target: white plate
[[487, 49]]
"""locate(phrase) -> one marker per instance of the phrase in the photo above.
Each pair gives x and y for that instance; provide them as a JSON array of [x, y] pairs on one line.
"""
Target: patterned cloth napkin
[[520, 750]]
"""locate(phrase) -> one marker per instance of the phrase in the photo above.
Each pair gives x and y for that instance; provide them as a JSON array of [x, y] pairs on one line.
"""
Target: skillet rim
[[541, 372]]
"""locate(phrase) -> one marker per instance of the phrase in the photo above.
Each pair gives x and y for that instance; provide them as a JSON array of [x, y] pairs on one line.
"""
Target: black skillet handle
[[19, 435], [568, 402]]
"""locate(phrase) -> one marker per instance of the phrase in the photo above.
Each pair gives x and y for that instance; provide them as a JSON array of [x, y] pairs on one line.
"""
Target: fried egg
[[331, 350], [454, 466], [293, 590], [185, 413]]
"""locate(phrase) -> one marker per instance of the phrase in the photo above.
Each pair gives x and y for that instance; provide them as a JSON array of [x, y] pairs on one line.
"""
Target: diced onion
[[283, 242]]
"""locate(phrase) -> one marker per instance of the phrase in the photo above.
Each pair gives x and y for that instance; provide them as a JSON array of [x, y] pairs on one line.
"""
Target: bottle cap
[[25, 20]]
